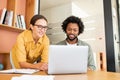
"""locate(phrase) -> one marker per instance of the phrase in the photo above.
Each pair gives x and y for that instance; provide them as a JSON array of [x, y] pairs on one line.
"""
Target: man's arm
[[91, 62]]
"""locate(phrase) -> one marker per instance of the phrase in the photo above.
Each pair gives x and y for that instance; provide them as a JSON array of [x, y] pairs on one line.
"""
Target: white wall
[[58, 13], [55, 16]]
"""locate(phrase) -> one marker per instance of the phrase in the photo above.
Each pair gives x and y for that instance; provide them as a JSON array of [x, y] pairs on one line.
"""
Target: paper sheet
[[33, 77]]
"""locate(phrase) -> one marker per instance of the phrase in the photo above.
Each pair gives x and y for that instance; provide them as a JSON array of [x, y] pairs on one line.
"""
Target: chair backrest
[[11, 60]]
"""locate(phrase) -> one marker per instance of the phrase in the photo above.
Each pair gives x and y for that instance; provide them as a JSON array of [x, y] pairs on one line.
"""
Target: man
[[31, 45], [73, 26]]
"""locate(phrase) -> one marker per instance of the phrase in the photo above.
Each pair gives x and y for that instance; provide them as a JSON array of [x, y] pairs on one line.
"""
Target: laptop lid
[[65, 59]]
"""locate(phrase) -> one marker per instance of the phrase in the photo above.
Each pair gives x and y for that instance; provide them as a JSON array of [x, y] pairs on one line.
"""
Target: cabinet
[[8, 34]]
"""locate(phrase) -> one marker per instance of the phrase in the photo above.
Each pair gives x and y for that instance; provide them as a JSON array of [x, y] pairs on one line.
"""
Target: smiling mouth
[[71, 36]]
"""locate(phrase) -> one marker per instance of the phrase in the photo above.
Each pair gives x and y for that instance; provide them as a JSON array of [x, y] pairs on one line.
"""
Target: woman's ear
[[31, 26]]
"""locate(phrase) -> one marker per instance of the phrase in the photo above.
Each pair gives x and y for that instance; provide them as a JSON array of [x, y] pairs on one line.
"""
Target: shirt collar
[[77, 43], [30, 38]]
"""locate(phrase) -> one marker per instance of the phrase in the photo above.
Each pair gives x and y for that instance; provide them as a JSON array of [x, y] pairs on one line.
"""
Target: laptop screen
[[67, 59]]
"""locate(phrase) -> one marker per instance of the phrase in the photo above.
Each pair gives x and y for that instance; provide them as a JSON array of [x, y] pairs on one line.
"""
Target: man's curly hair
[[73, 19]]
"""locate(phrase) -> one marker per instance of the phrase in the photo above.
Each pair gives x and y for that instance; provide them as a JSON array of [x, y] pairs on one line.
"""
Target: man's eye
[[75, 30]]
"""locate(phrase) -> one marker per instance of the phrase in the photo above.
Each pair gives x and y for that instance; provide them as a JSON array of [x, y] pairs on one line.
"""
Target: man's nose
[[72, 31]]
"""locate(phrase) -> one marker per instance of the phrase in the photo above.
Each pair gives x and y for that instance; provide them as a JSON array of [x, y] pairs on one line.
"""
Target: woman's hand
[[44, 66]]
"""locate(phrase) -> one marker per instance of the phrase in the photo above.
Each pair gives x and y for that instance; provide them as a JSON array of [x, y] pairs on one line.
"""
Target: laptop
[[64, 59]]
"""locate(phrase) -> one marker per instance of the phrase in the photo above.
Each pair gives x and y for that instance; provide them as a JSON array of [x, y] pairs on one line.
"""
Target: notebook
[[21, 71], [65, 59]]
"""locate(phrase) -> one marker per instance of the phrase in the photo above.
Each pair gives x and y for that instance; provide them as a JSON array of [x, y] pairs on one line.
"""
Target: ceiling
[[92, 7], [44, 4]]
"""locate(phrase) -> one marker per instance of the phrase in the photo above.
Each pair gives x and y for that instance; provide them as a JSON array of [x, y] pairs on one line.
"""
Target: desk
[[91, 75]]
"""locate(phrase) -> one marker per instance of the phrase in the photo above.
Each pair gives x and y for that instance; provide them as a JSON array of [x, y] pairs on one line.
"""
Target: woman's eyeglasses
[[42, 27]]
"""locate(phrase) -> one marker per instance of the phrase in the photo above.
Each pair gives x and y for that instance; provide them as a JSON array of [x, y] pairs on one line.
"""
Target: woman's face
[[39, 28]]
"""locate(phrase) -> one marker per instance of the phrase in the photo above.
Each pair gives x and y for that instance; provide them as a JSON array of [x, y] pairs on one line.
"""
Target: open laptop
[[64, 59]]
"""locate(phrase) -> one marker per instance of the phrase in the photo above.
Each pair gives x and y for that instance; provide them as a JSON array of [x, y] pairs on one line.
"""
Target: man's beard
[[72, 39]]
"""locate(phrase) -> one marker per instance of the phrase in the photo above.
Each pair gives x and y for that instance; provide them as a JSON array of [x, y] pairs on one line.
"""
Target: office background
[[101, 20]]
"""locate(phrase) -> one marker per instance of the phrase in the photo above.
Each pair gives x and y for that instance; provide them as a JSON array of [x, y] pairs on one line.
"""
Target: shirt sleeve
[[44, 55], [91, 62], [20, 49]]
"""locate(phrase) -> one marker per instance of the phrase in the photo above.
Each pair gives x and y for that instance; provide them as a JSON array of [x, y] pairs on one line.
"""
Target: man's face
[[72, 31], [39, 28]]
